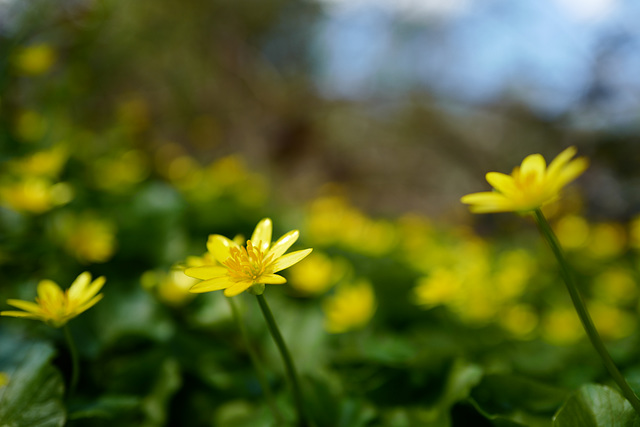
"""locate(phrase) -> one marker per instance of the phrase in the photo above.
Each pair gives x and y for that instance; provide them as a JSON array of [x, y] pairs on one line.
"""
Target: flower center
[[247, 263]]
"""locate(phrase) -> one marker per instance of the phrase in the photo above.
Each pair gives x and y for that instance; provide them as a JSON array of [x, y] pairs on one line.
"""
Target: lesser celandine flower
[[35, 195], [46, 163], [251, 266], [527, 189], [35, 60], [172, 287], [317, 274], [55, 306], [530, 186], [351, 307], [87, 237]]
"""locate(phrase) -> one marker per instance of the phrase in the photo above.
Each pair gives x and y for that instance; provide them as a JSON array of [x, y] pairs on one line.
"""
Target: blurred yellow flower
[[561, 326], [607, 240], [120, 172], [4, 379], [572, 231], [530, 186], [616, 285], [332, 220], [34, 195], [316, 274], [206, 259], [613, 323], [519, 319], [171, 288], [513, 270], [250, 266], [47, 163], [35, 60], [440, 287], [55, 306], [88, 238], [351, 307]]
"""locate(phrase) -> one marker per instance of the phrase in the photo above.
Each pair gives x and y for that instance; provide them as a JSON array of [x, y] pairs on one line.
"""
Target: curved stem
[[75, 365], [262, 378], [582, 311], [286, 357]]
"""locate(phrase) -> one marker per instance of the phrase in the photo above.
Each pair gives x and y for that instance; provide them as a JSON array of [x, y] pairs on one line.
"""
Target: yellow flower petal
[[49, 291], [571, 172], [272, 279], [212, 285], [206, 272], [261, 236], [29, 306], [533, 164], [220, 247], [488, 201], [288, 260], [84, 307], [20, 314], [530, 186], [79, 286], [237, 288], [283, 244], [560, 161], [501, 182], [94, 287]]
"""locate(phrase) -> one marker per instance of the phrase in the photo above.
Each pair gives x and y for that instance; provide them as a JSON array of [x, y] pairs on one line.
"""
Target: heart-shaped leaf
[[595, 405], [33, 394]]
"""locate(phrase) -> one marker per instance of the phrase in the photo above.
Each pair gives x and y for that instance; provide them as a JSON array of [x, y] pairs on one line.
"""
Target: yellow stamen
[[247, 263]]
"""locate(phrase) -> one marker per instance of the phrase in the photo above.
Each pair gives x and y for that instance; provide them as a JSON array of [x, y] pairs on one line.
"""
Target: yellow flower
[[351, 307], [561, 326], [35, 60], [4, 379], [45, 163], [55, 306], [530, 186], [442, 286], [172, 288], [317, 274], [249, 266], [35, 195], [88, 238]]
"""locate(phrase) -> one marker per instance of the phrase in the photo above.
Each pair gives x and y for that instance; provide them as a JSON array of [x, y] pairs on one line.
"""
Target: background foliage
[[130, 131]]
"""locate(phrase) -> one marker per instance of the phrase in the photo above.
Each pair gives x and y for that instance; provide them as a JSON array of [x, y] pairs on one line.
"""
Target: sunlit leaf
[[33, 395], [596, 406]]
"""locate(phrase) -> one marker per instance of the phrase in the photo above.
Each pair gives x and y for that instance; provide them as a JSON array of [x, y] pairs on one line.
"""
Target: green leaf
[[462, 378], [240, 413], [596, 406], [507, 399], [506, 393], [327, 406], [33, 395], [107, 407]]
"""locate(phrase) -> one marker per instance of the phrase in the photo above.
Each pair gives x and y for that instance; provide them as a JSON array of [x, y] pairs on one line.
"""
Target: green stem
[[286, 357], [75, 365], [582, 311], [262, 378]]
